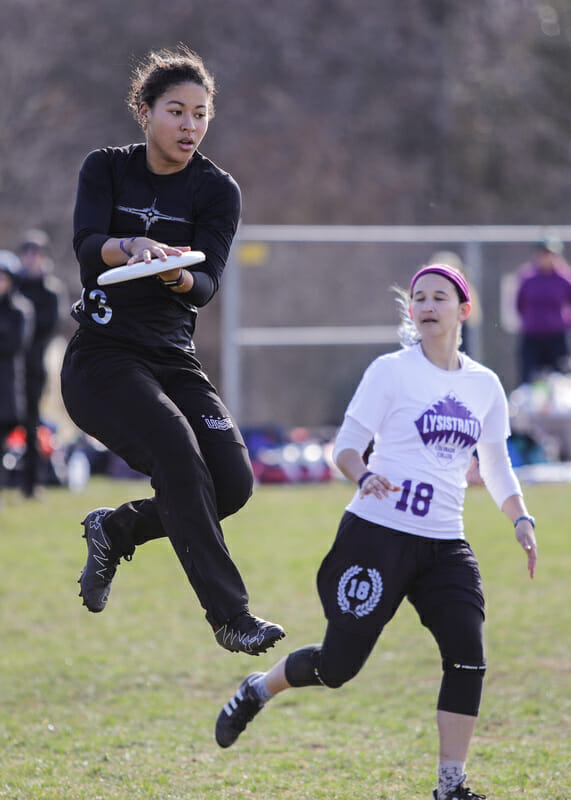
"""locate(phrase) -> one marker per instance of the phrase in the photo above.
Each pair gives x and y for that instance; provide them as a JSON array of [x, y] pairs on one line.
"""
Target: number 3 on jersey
[[420, 503], [103, 313]]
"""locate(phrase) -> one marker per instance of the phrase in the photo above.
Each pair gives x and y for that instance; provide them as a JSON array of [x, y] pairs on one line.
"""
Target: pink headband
[[453, 275]]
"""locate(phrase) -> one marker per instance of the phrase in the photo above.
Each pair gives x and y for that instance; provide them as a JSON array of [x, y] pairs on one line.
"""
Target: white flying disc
[[129, 272]]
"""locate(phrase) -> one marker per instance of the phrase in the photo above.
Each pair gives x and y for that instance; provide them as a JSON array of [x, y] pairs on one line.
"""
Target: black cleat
[[248, 634], [238, 711], [102, 562], [461, 792]]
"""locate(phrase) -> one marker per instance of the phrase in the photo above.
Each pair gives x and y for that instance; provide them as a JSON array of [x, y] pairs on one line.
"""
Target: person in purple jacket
[[543, 302]]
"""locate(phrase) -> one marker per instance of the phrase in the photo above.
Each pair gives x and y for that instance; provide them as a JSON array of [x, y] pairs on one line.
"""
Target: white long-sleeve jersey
[[425, 423]]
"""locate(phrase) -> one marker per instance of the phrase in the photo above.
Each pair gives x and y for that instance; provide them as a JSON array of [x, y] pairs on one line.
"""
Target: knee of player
[[333, 681], [334, 675], [232, 498], [306, 667], [302, 668], [233, 483]]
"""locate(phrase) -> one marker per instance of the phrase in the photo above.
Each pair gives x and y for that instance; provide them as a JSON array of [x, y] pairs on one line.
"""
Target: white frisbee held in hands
[[129, 272]]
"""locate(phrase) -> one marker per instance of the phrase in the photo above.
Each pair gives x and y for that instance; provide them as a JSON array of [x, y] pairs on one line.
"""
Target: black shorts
[[370, 569]]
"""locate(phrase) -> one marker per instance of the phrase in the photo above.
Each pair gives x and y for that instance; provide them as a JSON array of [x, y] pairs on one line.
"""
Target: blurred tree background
[[328, 111]]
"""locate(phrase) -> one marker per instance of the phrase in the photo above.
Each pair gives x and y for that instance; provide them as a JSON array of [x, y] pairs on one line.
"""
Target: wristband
[[178, 282], [531, 520], [363, 478], [127, 253]]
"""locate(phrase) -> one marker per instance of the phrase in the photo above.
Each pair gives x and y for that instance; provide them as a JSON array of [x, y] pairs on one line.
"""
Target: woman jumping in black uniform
[[130, 377]]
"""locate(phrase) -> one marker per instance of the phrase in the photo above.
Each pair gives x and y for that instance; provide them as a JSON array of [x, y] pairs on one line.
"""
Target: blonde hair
[[407, 331]]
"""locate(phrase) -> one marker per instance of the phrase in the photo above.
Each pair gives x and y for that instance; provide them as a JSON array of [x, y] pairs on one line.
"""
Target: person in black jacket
[[131, 377], [16, 324], [45, 292]]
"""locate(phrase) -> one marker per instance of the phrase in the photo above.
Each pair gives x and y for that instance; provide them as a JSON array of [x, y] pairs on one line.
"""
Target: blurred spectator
[[475, 319], [36, 282], [543, 302], [16, 323]]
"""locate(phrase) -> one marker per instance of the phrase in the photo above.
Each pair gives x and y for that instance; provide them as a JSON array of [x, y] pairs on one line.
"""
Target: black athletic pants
[[164, 418], [362, 582]]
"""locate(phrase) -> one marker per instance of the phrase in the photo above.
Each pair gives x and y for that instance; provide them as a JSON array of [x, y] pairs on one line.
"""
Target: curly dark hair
[[160, 70]]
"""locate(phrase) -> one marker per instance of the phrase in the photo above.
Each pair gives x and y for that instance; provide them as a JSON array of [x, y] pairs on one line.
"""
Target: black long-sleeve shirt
[[118, 196]]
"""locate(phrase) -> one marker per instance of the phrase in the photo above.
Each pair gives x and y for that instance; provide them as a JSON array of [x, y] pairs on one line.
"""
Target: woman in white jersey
[[425, 407]]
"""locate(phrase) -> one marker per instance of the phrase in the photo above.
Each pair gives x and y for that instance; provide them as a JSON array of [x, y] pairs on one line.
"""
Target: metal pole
[[230, 346], [474, 269]]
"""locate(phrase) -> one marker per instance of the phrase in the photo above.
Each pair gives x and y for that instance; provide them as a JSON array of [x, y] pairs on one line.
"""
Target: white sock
[[450, 774], [258, 684]]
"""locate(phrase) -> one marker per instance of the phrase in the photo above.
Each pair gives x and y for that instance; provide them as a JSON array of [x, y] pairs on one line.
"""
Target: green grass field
[[122, 705]]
